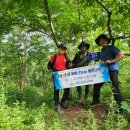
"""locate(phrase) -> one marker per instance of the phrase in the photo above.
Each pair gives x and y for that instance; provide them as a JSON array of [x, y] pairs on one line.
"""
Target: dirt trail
[[75, 112]]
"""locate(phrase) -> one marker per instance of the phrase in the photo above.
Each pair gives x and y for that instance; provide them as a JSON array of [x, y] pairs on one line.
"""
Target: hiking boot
[[58, 109], [95, 104], [64, 105]]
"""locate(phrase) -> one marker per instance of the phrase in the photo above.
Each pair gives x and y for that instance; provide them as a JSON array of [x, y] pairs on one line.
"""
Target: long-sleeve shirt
[[80, 59]]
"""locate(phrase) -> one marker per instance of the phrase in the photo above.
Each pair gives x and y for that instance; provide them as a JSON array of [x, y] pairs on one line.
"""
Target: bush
[[91, 122], [20, 118], [126, 106], [30, 95], [114, 120], [12, 118]]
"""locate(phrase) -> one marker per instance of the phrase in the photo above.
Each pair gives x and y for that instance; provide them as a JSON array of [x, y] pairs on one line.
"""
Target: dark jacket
[[80, 59]]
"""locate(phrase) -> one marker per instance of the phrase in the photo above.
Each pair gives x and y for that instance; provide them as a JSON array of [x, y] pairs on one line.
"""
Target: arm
[[75, 60], [69, 64], [120, 55], [50, 64]]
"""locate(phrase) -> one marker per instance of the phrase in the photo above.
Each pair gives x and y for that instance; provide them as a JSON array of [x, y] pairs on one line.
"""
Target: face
[[83, 49], [103, 42], [61, 50]]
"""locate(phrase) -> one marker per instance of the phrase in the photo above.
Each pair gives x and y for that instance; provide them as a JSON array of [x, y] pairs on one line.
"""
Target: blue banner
[[81, 76]]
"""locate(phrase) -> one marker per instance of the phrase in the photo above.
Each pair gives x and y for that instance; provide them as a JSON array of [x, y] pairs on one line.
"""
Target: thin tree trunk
[[51, 22], [25, 61]]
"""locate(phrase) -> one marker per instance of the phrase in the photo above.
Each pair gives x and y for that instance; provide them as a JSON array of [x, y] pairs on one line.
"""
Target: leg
[[96, 93], [79, 90], [115, 88], [56, 96], [86, 91], [65, 97], [56, 99]]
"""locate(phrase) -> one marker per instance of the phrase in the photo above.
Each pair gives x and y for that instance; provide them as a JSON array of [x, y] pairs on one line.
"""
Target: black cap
[[104, 37], [62, 46], [84, 44]]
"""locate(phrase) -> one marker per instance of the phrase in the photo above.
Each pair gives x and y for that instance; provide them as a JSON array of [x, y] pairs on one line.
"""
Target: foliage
[[30, 95], [126, 106], [114, 121], [91, 122], [26, 44]]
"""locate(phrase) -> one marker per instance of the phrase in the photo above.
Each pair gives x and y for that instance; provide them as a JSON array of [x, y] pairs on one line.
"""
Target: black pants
[[79, 90], [56, 94], [115, 89], [64, 98]]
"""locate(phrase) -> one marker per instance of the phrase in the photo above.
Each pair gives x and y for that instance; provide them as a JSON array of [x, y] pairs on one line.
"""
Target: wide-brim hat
[[62, 46], [83, 44], [104, 37]]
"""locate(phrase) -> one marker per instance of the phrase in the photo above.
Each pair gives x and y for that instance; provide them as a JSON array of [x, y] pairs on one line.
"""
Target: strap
[[55, 56]]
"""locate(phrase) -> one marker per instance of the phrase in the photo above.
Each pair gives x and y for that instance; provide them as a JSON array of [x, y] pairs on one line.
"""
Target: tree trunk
[[25, 71], [51, 22]]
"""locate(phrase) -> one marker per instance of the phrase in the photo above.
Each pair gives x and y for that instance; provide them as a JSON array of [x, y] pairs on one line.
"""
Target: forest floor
[[78, 113]]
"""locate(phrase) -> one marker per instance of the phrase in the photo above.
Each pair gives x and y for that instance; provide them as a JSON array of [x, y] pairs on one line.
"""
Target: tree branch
[[109, 13], [50, 22], [79, 18], [7, 25], [102, 6], [126, 54], [108, 24], [122, 37]]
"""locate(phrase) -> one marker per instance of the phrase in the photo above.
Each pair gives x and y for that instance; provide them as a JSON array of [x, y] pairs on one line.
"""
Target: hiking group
[[110, 55]]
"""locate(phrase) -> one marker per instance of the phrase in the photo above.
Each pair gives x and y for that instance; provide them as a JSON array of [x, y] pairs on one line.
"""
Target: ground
[[78, 113]]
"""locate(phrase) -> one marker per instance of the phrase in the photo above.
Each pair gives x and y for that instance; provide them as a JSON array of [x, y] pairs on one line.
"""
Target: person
[[81, 59], [110, 55], [59, 62]]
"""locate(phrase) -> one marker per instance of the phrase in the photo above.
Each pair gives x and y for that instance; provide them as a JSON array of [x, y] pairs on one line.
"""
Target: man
[[110, 55], [81, 59], [58, 62]]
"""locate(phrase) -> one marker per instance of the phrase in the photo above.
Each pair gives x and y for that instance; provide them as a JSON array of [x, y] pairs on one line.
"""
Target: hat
[[62, 46], [84, 44], [104, 37]]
